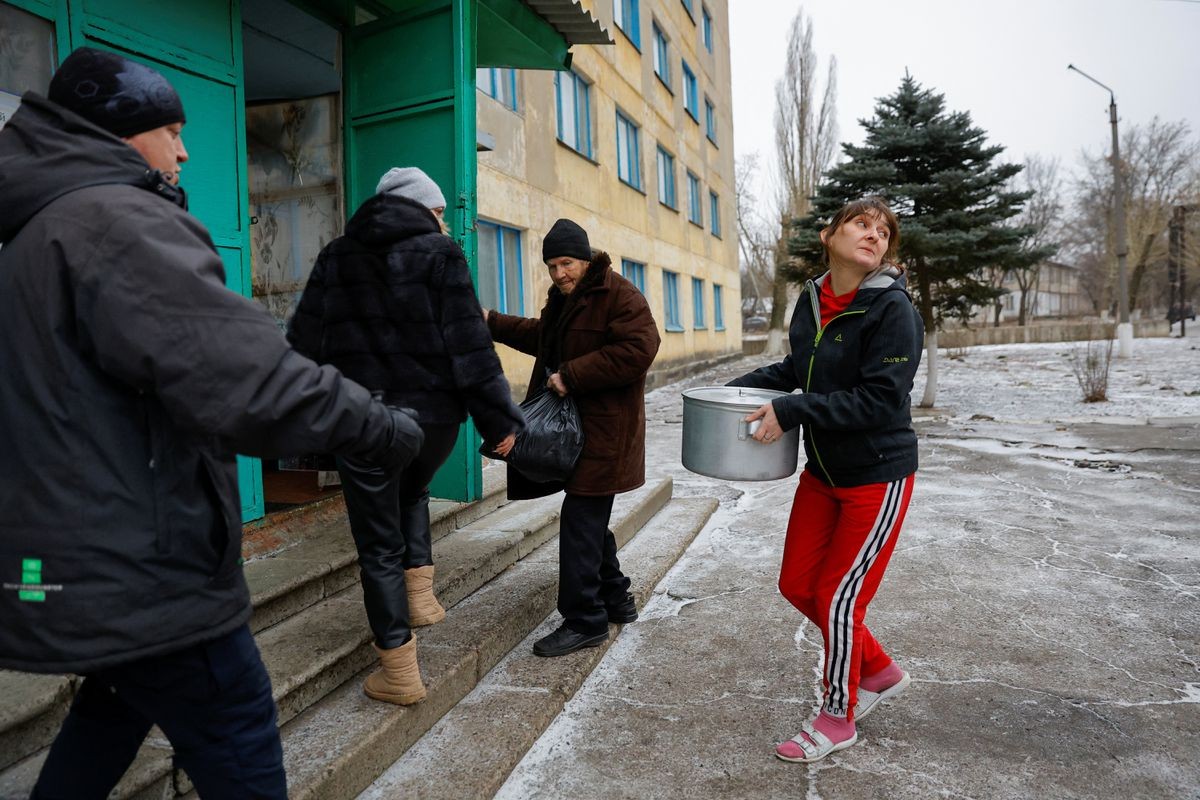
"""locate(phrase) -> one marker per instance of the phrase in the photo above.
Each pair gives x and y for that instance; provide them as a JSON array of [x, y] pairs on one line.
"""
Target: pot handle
[[747, 429]]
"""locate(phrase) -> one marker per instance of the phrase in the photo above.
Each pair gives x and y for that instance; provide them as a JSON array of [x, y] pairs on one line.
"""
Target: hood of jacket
[[47, 151], [386, 218]]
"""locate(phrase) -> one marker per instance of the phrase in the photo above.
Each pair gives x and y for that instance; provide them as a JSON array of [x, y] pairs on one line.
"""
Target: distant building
[[634, 142], [1057, 294]]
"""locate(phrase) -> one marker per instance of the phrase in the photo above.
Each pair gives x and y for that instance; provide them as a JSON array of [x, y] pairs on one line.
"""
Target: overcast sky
[[1004, 62]]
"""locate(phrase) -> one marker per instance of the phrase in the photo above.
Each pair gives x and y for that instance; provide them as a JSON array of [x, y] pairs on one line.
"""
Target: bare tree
[[805, 143], [1161, 169], [1042, 216], [755, 242]]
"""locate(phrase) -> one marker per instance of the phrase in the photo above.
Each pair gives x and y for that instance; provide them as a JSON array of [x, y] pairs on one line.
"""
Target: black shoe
[[564, 640], [623, 612]]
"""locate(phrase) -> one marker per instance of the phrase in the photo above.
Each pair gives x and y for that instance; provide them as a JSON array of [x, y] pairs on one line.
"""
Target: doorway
[[295, 172]]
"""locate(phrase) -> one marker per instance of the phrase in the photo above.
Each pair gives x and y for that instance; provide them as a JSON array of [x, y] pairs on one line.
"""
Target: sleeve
[[306, 330], [152, 308], [780, 376], [478, 375], [631, 343], [890, 357], [519, 333]]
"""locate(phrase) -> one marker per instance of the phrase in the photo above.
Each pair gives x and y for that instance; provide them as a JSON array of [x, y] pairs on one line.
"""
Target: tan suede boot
[[423, 607], [398, 680]]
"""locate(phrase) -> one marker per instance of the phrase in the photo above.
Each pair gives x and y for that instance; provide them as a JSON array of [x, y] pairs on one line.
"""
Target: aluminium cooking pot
[[717, 440]]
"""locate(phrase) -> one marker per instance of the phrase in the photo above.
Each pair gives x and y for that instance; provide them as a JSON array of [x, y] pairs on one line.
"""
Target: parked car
[[755, 324], [1181, 311]]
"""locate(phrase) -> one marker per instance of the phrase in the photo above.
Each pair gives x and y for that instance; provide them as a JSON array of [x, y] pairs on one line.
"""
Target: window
[[629, 154], [662, 63], [635, 273], [714, 214], [29, 57], [694, 213], [499, 83], [500, 280], [625, 14], [691, 99], [707, 28], [671, 301], [698, 303], [690, 5], [666, 178], [710, 120], [718, 307], [573, 96]]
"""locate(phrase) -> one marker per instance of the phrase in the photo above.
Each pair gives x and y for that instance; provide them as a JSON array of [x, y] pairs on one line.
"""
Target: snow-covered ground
[[1035, 382]]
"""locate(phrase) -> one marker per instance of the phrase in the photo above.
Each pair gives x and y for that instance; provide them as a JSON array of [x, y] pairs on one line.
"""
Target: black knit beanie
[[566, 239], [121, 96]]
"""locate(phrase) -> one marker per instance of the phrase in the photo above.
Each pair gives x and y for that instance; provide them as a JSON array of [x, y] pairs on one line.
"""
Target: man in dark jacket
[[595, 340], [131, 377]]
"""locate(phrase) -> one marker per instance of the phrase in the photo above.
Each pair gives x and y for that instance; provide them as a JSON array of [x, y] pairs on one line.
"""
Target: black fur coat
[[392, 306]]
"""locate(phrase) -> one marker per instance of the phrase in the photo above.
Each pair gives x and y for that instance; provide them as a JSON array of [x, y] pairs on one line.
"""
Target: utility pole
[[1124, 326]]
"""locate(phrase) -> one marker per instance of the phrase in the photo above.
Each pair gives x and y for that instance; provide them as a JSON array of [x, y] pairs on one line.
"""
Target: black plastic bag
[[552, 440]]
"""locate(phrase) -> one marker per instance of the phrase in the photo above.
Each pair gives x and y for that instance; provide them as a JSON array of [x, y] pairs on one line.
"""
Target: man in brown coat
[[595, 340]]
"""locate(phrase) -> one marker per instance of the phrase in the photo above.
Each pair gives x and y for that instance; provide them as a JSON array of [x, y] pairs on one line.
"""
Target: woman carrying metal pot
[[856, 342]]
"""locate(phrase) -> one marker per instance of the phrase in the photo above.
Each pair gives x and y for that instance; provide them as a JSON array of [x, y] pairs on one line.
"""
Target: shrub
[[1091, 363]]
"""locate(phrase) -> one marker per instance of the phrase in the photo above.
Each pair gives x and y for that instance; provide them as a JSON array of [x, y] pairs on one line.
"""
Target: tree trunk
[[777, 335], [931, 349], [996, 316]]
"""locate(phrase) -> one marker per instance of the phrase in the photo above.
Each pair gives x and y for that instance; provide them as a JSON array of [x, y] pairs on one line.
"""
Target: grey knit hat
[[413, 183]]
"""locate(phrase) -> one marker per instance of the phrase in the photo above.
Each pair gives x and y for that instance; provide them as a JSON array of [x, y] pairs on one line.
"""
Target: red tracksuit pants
[[838, 544]]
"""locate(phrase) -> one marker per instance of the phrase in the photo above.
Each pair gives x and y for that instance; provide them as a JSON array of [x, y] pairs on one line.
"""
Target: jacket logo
[[895, 359], [837, 338]]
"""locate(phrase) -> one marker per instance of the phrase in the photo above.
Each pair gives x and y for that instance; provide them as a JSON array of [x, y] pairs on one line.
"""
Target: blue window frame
[[499, 83], [625, 14], [714, 214], [695, 215], [710, 120], [718, 307], [629, 154], [690, 5], [662, 59], [691, 94], [674, 322], [666, 178], [573, 98], [707, 27], [635, 273], [698, 304], [501, 279]]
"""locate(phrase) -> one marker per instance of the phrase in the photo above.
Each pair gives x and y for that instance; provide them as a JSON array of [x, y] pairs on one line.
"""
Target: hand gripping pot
[[717, 441]]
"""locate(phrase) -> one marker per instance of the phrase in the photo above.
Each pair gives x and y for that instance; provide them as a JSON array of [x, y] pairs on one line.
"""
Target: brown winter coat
[[607, 339]]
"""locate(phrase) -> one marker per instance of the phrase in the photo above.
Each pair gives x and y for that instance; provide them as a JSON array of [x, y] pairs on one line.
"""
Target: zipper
[[810, 287]]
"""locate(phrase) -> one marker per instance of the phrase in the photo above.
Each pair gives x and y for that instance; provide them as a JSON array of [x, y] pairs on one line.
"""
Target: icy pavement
[[1044, 594]]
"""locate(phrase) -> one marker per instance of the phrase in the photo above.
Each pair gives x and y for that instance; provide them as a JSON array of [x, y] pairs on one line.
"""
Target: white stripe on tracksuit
[[841, 609]]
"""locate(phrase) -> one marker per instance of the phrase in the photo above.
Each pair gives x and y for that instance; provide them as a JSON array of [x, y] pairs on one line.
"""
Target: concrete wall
[[1073, 331], [531, 179]]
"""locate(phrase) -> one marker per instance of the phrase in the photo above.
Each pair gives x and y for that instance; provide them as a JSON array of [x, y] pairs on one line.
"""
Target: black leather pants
[[389, 520]]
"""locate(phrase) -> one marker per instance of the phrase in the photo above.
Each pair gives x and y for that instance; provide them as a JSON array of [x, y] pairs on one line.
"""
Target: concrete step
[[470, 752], [339, 745], [303, 558]]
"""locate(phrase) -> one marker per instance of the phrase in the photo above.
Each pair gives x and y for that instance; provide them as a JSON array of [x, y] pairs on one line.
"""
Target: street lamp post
[[1124, 326]]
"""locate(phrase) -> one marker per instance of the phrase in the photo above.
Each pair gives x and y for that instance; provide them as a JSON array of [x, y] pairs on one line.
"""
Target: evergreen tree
[[936, 171]]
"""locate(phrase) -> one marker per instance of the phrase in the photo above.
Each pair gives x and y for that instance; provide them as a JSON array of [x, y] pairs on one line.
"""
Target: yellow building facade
[[635, 143]]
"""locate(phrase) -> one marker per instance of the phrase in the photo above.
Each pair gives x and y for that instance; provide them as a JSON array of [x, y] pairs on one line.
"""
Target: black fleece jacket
[[856, 374], [392, 306]]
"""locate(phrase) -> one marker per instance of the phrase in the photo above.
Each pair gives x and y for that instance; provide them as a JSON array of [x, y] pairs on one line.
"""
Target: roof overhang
[[534, 34]]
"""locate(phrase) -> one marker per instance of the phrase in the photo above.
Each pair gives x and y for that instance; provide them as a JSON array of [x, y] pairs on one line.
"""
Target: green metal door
[[410, 101], [197, 45]]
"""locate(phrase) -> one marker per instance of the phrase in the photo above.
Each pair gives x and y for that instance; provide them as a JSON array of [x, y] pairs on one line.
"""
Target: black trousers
[[212, 700], [389, 520], [589, 574]]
